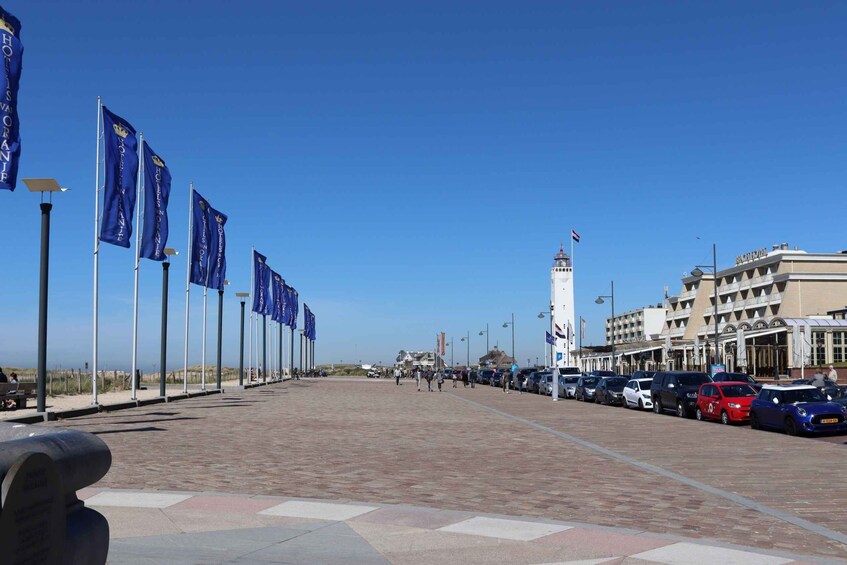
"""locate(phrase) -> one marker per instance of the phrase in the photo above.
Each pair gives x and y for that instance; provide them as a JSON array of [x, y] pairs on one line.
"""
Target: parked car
[[797, 409], [567, 386], [738, 378], [484, 376], [728, 402], [677, 391], [585, 388], [636, 393], [531, 383], [496, 378], [643, 374], [829, 388], [601, 373], [544, 385], [610, 390]]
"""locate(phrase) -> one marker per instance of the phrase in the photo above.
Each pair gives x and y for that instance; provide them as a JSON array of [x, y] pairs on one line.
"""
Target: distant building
[[417, 360], [496, 358], [642, 324]]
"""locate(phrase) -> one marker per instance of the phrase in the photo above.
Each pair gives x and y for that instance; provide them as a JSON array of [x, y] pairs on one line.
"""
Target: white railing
[[728, 288]]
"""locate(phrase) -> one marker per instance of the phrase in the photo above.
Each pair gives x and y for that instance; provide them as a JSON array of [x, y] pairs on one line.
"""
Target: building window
[[818, 348], [839, 347]]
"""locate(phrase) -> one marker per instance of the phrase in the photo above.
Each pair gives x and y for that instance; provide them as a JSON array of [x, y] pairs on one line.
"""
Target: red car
[[728, 402]]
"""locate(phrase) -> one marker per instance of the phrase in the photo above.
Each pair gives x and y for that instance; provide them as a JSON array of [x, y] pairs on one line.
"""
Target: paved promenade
[[473, 454]]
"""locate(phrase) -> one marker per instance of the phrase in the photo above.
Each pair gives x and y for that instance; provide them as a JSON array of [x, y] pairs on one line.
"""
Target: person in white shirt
[[833, 374]]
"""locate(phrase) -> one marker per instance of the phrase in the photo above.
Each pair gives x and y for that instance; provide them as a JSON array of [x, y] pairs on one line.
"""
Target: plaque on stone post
[[32, 512]]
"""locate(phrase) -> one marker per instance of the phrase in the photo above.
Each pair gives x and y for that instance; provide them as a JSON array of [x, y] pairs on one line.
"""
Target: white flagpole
[[203, 370], [138, 225], [96, 257], [250, 348], [187, 288]]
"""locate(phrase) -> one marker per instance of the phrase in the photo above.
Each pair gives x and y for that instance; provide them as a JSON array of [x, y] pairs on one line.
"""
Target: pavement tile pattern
[[373, 441], [296, 536]]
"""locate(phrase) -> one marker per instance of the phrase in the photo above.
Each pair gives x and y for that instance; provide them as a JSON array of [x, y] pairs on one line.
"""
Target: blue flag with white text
[[295, 308], [157, 192], [200, 239], [10, 77], [217, 249], [277, 285], [550, 339], [312, 332], [261, 283], [307, 320], [121, 156]]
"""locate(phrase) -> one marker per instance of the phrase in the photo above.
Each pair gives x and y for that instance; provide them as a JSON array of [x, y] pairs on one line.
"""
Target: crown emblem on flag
[[120, 130], [158, 162], [6, 26], [202, 204], [276, 278], [259, 259], [219, 219]]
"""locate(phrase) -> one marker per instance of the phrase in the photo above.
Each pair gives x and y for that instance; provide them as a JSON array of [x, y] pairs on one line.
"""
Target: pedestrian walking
[[817, 379], [516, 379], [455, 378], [440, 379], [504, 376], [397, 375], [466, 375], [418, 378], [472, 378], [833, 374]]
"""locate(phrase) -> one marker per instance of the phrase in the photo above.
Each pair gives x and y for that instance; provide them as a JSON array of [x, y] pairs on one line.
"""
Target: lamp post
[[163, 349], [698, 272], [506, 325], [242, 296], [541, 316], [220, 330], [600, 301], [50, 186], [451, 351], [485, 331], [468, 340]]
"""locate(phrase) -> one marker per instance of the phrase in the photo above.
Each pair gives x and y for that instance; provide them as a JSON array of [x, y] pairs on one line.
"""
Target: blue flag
[[217, 249], [289, 306], [550, 339], [277, 285], [157, 191], [295, 311], [201, 233], [313, 334], [10, 77], [121, 149], [261, 283], [307, 314]]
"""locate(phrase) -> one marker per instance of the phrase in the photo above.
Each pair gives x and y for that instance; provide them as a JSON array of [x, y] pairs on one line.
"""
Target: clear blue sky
[[411, 167]]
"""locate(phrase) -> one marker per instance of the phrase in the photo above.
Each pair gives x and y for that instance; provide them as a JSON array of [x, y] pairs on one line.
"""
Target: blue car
[[798, 410]]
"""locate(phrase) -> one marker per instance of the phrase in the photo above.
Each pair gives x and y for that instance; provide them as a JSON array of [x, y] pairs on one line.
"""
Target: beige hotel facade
[[778, 311]]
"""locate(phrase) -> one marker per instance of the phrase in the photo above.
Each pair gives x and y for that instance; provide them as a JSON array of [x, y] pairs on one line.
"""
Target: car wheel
[[640, 404], [680, 410], [699, 414], [657, 406], [724, 418], [790, 426], [754, 422]]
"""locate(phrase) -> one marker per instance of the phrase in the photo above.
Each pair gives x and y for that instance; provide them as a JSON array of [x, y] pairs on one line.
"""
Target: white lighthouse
[[562, 324]]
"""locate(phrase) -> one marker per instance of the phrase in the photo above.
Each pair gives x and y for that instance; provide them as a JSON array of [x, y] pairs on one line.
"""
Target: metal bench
[[19, 392]]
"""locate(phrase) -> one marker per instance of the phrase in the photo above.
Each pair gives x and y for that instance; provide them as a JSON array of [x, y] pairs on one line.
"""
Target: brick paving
[[374, 441]]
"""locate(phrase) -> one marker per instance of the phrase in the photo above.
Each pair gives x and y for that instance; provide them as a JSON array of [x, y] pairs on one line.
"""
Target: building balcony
[[728, 289], [683, 313], [676, 332], [764, 280], [688, 294]]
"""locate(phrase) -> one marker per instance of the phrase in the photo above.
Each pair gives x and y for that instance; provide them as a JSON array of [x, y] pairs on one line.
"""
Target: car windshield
[[569, 371], [571, 380], [590, 381], [604, 373], [645, 383], [738, 377], [738, 390], [693, 379], [803, 395], [617, 382]]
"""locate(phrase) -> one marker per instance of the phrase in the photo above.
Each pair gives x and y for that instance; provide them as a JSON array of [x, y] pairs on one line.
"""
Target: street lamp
[[468, 340], [506, 325], [451, 351], [698, 272], [220, 329], [242, 296], [541, 316], [485, 331], [601, 301], [163, 350], [50, 186]]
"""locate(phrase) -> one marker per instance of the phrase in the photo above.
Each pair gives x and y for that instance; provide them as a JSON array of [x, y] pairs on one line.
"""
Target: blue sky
[[411, 167]]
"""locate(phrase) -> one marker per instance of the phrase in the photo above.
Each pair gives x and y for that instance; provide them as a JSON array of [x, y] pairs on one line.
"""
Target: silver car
[[567, 386]]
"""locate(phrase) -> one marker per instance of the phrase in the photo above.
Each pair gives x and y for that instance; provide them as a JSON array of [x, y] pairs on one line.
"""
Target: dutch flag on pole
[[574, 236]]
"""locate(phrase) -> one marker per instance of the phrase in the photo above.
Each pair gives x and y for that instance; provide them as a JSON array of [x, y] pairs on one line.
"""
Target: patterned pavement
[[480, 451]]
